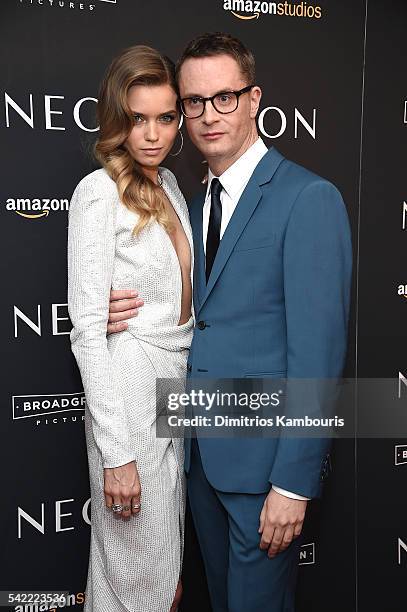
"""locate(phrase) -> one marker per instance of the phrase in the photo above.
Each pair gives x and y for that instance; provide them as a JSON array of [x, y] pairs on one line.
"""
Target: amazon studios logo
[[253, 9]]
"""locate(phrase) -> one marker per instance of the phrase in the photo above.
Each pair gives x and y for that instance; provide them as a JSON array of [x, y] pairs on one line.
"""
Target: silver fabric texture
[[134, 565]]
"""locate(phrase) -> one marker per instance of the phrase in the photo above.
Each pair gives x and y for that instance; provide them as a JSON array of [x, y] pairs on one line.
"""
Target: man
[[271, 297]]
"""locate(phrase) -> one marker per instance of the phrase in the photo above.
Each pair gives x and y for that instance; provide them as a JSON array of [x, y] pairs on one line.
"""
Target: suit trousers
[[241, 577]]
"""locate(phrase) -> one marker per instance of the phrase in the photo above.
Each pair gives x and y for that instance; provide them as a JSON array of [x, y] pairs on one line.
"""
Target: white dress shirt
[[234, 181]]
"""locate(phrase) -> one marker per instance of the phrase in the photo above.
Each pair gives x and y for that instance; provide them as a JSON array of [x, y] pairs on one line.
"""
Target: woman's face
[[156, 121]]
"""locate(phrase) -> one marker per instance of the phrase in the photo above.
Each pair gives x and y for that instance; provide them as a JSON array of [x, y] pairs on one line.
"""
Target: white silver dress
[[134, 565]]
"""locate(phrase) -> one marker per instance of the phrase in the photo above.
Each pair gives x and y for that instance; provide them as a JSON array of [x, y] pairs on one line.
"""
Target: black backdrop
[[334, 100]]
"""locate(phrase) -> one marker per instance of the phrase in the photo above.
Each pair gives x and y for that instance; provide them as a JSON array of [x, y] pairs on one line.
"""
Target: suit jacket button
[[201, 325]]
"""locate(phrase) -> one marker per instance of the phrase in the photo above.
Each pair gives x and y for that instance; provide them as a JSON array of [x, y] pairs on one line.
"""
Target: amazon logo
[[248, 10], [36, 208], [402, 290]]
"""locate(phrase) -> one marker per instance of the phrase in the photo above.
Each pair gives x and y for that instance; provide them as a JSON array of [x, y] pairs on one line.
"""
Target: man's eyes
[[224, 96]]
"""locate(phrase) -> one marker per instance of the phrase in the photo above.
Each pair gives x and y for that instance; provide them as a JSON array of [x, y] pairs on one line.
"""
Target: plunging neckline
[[167, 192]]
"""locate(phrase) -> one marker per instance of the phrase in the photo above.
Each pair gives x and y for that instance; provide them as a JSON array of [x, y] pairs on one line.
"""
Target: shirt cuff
[[290, 494]]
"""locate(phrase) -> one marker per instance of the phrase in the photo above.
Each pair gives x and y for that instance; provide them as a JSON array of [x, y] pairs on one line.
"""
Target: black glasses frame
[[211, 99]]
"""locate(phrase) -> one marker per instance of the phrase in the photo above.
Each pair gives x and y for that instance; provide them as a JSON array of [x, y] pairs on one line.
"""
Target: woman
[[129, 226]]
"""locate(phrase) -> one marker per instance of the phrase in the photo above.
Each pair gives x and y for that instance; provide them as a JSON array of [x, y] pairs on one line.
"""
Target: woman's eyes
[[163, 118], [167, 118]]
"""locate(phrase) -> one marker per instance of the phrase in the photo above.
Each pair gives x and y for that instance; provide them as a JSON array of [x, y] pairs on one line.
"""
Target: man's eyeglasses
[[224, 102]]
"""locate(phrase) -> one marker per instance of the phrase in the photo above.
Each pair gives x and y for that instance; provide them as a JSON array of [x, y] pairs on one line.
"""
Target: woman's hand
[[177, 597], [122, 486]]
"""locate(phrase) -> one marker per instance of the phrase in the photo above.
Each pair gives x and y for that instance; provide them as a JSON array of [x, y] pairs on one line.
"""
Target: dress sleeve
[[91, 251]]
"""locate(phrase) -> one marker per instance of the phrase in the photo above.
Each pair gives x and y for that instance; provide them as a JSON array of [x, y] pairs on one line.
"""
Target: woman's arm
[[91, 250]]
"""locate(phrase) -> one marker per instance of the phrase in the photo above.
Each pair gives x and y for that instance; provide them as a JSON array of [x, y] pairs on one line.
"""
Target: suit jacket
[[276, 304]]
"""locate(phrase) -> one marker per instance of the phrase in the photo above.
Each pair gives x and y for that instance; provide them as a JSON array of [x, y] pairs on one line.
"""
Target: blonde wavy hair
[[138, 65]]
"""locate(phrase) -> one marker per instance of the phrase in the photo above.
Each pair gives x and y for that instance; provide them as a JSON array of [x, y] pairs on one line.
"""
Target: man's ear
[[255, 97]]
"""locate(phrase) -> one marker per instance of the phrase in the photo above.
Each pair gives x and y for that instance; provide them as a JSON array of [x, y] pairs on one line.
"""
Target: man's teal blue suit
[[276, 304]]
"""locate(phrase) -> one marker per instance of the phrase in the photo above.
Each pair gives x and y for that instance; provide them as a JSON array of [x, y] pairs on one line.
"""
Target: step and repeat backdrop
[[334, 100]]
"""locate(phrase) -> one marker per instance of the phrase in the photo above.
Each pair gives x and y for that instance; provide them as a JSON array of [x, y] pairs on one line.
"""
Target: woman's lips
[[152, 151]]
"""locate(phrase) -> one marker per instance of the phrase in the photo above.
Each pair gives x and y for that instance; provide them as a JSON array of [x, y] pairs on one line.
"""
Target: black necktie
[[213, 238]]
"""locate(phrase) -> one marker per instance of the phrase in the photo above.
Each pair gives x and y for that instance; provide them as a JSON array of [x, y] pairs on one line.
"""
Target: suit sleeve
[[91, 250], [317, 265]]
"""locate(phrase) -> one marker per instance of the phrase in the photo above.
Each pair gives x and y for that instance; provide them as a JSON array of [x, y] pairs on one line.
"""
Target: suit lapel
[[245, 208]]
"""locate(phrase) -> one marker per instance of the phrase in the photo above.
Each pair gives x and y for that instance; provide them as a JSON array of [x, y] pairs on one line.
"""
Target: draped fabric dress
[[134, 565]]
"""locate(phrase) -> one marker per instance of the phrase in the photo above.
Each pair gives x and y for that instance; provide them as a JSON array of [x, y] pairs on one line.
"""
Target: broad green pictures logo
[[80, 6]]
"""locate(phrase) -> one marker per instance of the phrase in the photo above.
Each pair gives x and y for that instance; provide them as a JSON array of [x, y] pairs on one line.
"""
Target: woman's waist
[[153, 315], [162, 332]]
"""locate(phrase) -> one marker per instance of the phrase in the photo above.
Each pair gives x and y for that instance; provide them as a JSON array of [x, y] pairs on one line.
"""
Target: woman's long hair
[[138, 65]]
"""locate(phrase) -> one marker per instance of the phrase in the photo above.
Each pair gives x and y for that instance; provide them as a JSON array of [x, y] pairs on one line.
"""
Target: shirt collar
[[238, 174]]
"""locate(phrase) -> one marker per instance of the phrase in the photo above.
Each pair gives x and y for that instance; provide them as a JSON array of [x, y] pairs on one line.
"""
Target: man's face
[[219, 136]]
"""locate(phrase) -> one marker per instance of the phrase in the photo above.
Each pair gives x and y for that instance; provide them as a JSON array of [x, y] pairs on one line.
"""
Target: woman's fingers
[[135, 504], [136, 495], [117, 501], [126, 503], [122, 490], [108, 500]]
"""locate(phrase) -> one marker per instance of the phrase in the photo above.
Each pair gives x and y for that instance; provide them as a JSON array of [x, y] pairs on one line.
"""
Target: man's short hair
[[220, 43]]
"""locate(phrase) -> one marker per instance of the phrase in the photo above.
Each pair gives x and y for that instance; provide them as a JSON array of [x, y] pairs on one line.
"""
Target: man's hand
[[281, 521], [123, 305]]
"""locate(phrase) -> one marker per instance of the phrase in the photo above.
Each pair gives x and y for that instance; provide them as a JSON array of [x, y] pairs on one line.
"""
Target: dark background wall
[[344, 74]]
